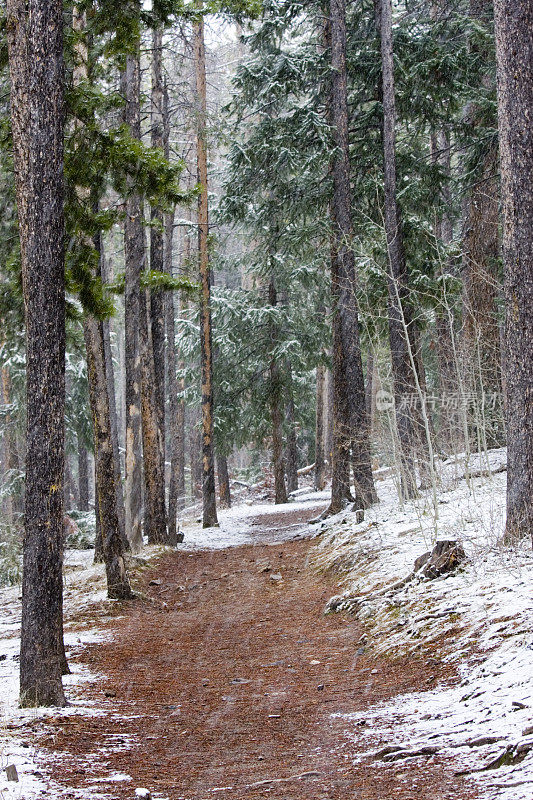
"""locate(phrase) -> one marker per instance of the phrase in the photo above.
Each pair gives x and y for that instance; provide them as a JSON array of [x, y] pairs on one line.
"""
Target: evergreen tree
[[35, 40], [514, 43], [206, 343], [351, 443]]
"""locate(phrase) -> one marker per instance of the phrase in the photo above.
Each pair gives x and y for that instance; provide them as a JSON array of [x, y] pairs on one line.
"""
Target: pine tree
[[276, 405], [319, 481], [351, 444], [134, 263], [514, 45], [35, 41], [112, 542], [402, 347], [208, 456], [155, 520], [157, 300], [481, 330]]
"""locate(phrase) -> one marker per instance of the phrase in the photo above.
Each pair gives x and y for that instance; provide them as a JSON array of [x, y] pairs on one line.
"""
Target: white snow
[[237, 524], [480, 618], [84, 586]]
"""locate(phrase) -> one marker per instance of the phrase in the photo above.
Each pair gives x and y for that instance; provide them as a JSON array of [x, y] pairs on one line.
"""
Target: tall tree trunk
[[108, 527], [106, 331], [208, 459], [155, 517], [276, 416], [400, 314], [134, 255], [98, 541], [291, 458], [481, 249], [195, 457], [107, 425], [35, 42], [152, 341], [328, 411], [83, 476], [369, 385], [118, 586], [157, 298], [319, 481], [450, 426], [67, 473], [224, 491], [176, 405], [514, 48], [351, 442]]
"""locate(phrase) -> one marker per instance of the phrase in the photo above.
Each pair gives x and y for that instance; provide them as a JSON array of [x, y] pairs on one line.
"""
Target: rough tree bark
[[134, 256], [195, 456], [514, 49], [351, 442], [118, 586], [106, 330], [157, 297], [109, 500], [152, 344], [328, 411], [35, 46], [83, 476], [319, 480], [98, 541], [208, 458], [155, 515], [224, 491], [276, 415], [176, 405], [291, 458]]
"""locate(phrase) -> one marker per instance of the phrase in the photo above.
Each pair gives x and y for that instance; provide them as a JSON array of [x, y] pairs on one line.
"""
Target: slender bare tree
[[208, 456]]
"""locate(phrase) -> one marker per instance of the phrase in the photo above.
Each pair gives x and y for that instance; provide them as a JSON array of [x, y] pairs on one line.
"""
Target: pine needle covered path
[[227, 683]]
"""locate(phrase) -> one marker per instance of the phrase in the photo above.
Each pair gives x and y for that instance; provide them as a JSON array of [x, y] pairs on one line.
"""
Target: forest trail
[[225, 685]]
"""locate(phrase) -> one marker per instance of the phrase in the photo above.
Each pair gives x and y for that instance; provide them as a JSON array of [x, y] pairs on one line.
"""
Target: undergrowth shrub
[[10, 554], [81, 535]]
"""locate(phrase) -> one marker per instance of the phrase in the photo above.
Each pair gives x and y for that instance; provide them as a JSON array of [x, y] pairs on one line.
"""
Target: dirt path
[[226, 684]]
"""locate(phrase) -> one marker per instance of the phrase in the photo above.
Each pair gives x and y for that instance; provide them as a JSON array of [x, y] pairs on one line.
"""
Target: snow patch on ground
[[479, 618], [84, 589], [237, 524]]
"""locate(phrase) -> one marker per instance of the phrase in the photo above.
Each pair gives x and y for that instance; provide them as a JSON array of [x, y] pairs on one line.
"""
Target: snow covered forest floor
[[477, 620]]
